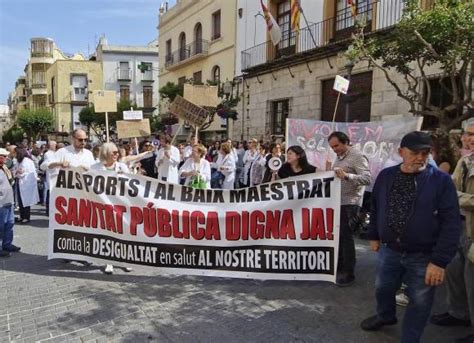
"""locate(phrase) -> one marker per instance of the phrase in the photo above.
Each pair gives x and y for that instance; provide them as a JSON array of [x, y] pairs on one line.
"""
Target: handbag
[[197, 182]]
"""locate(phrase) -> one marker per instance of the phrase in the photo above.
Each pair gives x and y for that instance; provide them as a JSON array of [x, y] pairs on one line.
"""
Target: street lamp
[[349, 66]]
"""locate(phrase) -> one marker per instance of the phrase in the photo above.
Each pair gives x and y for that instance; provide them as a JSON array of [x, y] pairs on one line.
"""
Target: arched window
[[216, 74], [182, 46], [198, 38]]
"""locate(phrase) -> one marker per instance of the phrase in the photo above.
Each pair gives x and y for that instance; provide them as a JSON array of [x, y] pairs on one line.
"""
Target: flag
[[353, 5], [295, 15], [272, 26]]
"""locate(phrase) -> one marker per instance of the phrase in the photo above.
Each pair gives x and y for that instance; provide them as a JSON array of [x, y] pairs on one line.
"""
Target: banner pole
[[177, 132], [107, 125], [197, 133], [335, 110], [136, 145]]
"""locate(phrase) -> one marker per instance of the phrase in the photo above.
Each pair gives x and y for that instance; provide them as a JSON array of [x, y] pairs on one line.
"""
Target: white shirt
[[49, 156], [6, 190], [188, 149], [168, 167], [118, 167], [203, 167], [75, 158], [226, 166]]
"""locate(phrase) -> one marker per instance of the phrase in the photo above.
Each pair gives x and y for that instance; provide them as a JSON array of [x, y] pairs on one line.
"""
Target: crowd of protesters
[[421, 217]]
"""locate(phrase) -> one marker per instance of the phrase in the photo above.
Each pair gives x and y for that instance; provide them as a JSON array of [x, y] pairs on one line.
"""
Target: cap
[[416, 140], [4, 152]]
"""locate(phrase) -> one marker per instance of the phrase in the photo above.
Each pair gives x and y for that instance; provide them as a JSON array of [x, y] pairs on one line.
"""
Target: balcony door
[[345, 18], [182, 46], [198, 38], [287, 45]]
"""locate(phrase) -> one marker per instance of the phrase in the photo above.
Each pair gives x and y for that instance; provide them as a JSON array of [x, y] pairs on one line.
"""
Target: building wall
[[110, 62], [183, 17], [62, 71]]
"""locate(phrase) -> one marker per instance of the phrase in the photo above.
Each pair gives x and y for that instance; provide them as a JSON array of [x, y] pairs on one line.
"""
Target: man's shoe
[[12, 248], [402, 299], [345, 280], [4, 253], [467, 339], [374, 323], [446, 319]]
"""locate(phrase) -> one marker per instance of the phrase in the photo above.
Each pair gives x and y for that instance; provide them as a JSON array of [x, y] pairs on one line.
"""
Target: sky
[[74, 25]]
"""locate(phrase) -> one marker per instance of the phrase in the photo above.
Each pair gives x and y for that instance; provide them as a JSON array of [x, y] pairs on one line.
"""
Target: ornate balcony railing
[[197, 48]]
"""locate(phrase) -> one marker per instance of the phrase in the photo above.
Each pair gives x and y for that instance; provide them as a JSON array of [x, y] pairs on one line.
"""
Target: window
[[279, 115], [198, 38], [148, 74], [344, 17], [76, 123], [182, 81], [216, 74], [79, 86], [147, 97], [53, 85], [125, 93], [168, 57], [216, 25], [182, 47], [124, 71], [288, 37], [197, 77]]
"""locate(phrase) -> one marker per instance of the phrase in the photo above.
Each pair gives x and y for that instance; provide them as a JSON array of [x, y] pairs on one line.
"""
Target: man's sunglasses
[[81, 139]]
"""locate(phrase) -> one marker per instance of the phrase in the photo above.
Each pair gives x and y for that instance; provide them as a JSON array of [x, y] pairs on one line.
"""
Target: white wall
[[252, 31], [110, 65]]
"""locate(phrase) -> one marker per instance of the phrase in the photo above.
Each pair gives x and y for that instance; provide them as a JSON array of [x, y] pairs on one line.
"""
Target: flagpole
[[312, 37]]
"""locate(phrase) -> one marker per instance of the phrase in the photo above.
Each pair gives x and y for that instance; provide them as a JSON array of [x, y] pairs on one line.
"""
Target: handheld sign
[[189, 111], [104, 101], [131, 129], [132, 115], [341, 84]]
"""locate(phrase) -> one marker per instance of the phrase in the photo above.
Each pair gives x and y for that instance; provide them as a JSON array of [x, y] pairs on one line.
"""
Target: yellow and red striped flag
[[353, 4], [295, 15], [272, 26]]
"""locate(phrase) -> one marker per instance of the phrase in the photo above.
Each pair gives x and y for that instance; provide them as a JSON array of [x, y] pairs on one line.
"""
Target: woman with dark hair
[[275, 152], [444, 153], [296, 163], [27, 184]]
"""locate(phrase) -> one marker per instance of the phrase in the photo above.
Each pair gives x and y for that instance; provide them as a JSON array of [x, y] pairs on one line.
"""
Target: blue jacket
[[434, 223]]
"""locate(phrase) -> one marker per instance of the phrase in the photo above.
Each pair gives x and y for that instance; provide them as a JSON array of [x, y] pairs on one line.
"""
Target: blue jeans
[[393, 269], [7, 220]]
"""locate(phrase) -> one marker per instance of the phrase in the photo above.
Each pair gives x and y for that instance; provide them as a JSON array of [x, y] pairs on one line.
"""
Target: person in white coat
[[167, 161], [196, 165], [27, 184], [226, 165], [108, 156], [249, 158], [49, 156]]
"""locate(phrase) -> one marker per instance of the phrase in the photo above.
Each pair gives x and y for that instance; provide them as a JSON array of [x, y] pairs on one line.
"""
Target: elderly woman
[[226, 166], [196, 166], [27, 177], [108, 156], [249, 158]]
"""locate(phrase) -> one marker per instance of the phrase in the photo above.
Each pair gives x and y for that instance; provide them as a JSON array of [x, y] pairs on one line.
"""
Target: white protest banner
[[341, 84], [378, 140], [288, 229], [132, 115]]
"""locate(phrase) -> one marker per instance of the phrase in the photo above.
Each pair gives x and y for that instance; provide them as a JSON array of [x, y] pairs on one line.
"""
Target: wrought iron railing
[[197, 47], [379, 15]]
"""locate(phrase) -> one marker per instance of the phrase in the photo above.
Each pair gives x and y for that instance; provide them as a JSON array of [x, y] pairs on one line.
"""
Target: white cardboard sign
[[341, 84], [132, 115]]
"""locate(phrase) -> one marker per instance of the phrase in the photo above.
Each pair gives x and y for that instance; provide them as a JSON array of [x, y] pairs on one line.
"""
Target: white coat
[[227, 167], [28, 182], [204, 168], [168, 167]]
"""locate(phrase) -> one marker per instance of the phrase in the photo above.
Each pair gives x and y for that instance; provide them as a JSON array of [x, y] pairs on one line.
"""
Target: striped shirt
[[356, 166]]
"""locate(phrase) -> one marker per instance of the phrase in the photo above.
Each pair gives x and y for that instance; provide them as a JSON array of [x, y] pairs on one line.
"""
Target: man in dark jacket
[[415, 226]]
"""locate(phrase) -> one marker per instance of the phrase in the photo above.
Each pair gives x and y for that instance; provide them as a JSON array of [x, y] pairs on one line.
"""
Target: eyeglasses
[[115, 152], [81, 139]]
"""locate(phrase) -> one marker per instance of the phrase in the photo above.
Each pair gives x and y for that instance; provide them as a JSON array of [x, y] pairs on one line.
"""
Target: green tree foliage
[[13, 135], [35, 122], [170, 90], [441, 36]]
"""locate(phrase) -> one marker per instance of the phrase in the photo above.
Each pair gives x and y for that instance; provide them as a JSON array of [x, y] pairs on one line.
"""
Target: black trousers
[[347, 256], [24, 210]]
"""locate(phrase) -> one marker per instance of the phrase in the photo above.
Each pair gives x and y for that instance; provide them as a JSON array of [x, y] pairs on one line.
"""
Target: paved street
[[50, 301]]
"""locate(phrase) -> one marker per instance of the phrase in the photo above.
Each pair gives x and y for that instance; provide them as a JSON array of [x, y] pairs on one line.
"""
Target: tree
[[35, 122], [96, 121], [13, 135], [440, 36]]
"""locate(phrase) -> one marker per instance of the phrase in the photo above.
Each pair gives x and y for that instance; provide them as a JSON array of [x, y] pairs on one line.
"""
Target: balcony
[[42, 50], [323, 38], [79, 95], [147, 76], [124, 74], [189, 53]]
